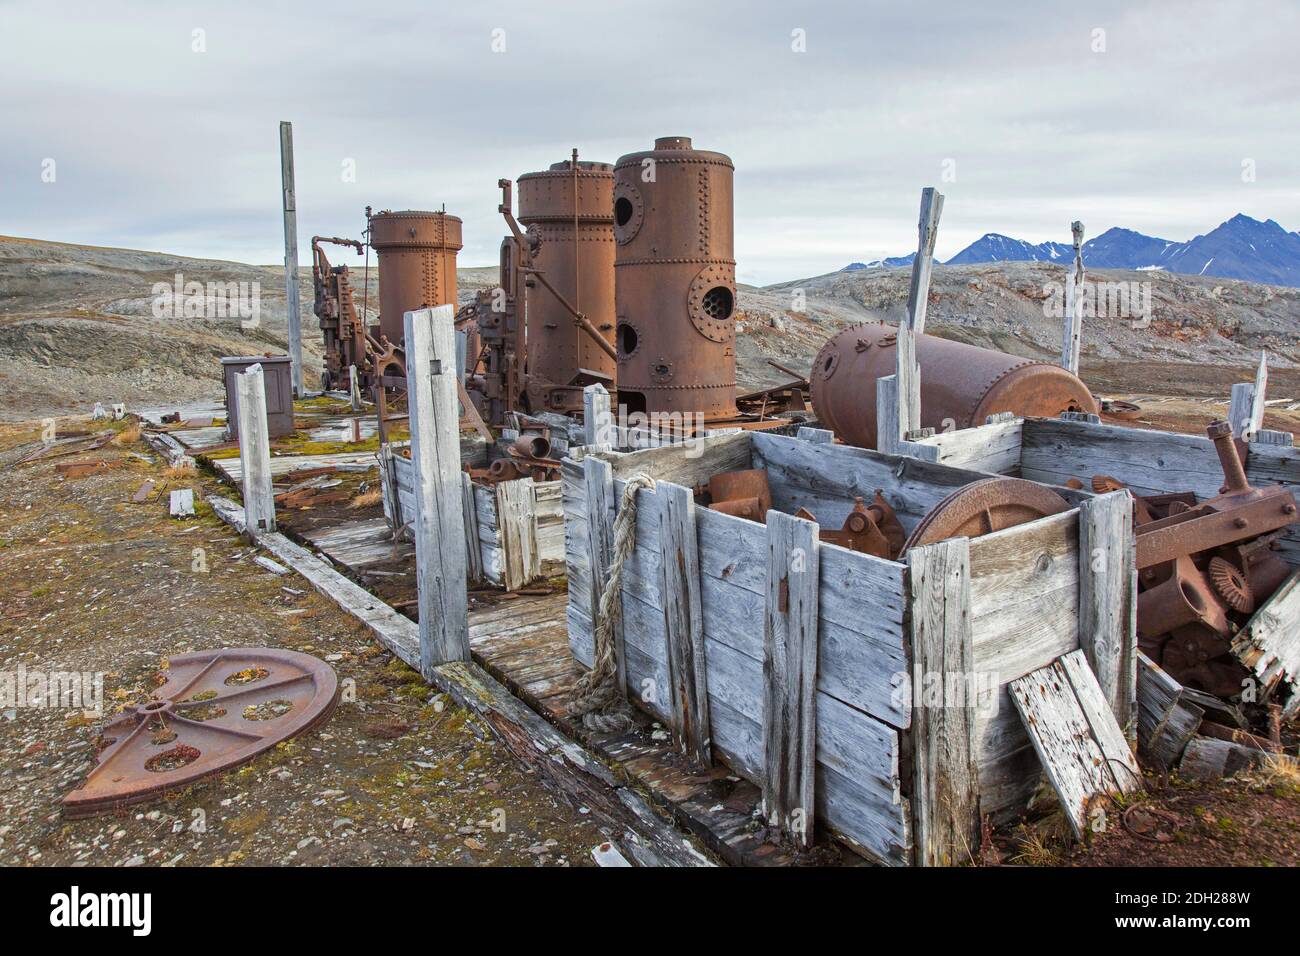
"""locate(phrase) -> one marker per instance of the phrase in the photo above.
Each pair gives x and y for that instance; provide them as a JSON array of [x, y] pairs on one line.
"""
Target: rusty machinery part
[[675, 284], [1119, 410], [531, 445], [961, 385], [983, 507], [569, 213], [747, 485], [216, 710], [1240, 512], [1232, 585], [512, 469], [417, 264], [344, 332]]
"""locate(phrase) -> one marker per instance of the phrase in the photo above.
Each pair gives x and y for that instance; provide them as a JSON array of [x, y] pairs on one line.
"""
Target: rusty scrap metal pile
[[1204, 567], [979, 508]]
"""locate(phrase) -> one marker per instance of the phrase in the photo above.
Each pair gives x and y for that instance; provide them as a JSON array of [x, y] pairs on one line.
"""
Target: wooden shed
[[867, 697]]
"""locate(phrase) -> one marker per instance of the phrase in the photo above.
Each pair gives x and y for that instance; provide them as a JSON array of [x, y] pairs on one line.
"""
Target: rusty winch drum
[[417, 264], [961, 385], [675, 280]]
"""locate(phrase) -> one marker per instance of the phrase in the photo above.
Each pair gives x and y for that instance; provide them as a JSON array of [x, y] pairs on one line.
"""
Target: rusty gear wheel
[[983, 507], [216, 710], [1231, 585]]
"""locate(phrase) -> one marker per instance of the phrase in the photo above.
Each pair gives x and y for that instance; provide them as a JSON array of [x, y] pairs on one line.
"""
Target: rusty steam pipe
[[961, 385]]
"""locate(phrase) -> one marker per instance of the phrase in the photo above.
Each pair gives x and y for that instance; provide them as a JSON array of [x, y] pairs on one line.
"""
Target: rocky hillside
[[78, 323]]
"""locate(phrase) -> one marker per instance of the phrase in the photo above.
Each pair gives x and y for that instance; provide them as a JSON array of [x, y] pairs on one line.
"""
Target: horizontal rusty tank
[[961, 385], [675, 276], [417, 264], [569, 213]]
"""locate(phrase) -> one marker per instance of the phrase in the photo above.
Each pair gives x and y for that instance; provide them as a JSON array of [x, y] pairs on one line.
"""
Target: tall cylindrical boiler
[[417, 264], [675, 280], [569, 214], [961, 385]]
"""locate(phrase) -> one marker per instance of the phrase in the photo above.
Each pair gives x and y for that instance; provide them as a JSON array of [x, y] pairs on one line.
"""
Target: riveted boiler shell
[[417, 264], [676, 280], [581, 267], [961, 385]]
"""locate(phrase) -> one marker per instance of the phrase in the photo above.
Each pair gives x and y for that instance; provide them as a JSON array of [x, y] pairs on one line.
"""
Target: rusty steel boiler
[[569, 214], [675, 280], [961, 385], [417, 264]]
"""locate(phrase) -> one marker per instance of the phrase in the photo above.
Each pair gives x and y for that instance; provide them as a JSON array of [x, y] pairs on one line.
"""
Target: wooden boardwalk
[[524, 644]]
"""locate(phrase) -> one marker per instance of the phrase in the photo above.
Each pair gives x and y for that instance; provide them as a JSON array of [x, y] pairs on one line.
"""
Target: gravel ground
[[90, 582]]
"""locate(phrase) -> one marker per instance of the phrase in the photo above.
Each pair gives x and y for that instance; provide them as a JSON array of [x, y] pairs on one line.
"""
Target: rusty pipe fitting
[[531, 445], [1234, 475]]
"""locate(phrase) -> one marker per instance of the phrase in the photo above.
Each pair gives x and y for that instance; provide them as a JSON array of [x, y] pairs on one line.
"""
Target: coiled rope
[[597, 697]]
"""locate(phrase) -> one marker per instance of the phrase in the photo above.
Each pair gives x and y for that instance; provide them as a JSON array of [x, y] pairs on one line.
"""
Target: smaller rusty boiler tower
[[569, 214], [417, 264], [961, 385], [675, 281]]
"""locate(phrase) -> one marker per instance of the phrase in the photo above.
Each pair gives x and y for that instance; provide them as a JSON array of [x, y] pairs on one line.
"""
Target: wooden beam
[[1246, 409], [290, 205], [790, 675], [598, 485], [1167, 720], [255, 450], [889, 433], [597, 422], [473, 556], [927, 232], [1108, 601], [908, 374], [679, 596], [945, 784], [441, 572], [517, 525], [818, 436], [1073, 313]]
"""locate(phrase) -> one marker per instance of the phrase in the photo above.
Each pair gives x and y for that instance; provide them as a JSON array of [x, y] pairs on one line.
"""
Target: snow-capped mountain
[[1241, 248]]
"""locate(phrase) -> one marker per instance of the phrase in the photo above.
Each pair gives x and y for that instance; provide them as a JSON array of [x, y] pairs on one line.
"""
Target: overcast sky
[[1025, 115]]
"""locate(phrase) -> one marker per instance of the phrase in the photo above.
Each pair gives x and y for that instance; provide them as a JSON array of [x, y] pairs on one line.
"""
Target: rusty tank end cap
[[673, 142], [415, 214]]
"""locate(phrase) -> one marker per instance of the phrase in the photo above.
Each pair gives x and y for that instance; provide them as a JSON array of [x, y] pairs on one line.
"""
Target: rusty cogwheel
[[1231, 585], [1102, 484], [216, 710], [983, 507]]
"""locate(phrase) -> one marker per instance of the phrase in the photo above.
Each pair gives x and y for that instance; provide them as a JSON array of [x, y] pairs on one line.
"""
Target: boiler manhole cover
[[216, 710]]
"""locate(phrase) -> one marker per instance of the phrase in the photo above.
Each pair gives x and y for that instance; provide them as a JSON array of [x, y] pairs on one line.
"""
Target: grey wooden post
[[927, 232], [790, 676], [469, 508], [597, 422], [945, 785], [889, 424], [354, 388], [440, 560], [1108, 601], [679, 596], [291, 255], [598, 486], [1246, 410], [1073, 313], [255, 451]]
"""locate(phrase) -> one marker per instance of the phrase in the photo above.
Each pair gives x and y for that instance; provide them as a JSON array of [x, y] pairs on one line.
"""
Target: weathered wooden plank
[[1108, 601], [255, 450], [818, 436], [598, 485], [945, 788], [1024, 614], [1148, 462], [1207, 758], [690, 463], [927, 229], [827, 478], [1167, 720], [473, 551], [1075, 736], [517, 528], [441, 569], [889, 415], [1269, 645], [1073, 341], [991, 448], [293, 305], [790, 672], [684, 621], [597, 423]]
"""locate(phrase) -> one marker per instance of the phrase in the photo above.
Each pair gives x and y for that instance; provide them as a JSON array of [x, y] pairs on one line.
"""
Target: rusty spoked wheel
[[983, 507], [216, 710]]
